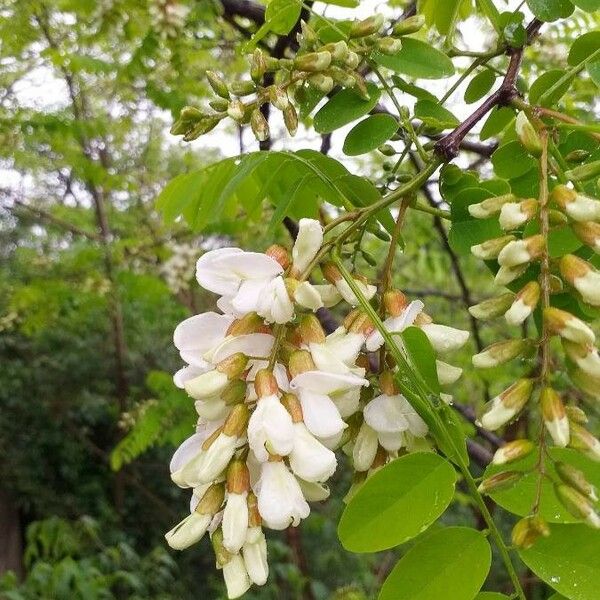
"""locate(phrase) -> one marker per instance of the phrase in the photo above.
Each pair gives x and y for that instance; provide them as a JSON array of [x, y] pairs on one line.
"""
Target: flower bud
[[528, 530], [362, 324], [249, 323], [586, 383], [217, 84], [447, 374], [234, 393], [293, 406], [290, 118], [442, 338], [589, 233], [307, 245], [584, 356], [581, 439], [578, 155], [389, 45], [233, 366], [527, 134], [191, 113], [300, 362], [308, 34], [214, 382], [515, 214], [512, 451], [501, 352], [280, 254], [259, 125], [352, 60], [207, 124], [278, 97], [584, 172], [235, 575], [395, 302], [387, 383], [236, 422], [338, 50], [490, 249], [524, 304], [237, 110], [499, 482], [493, 307], [313, 61], [320, 81], [305, 294], [568, 326], [518, 252], [265, 383], [238, 477], [242, 88], [507, 405], [367, 26], [254, 518], [555, 418], [365, 448], [506, 275], [310, 330], [577, 504], [258, 66], [575, 414], [490, 206], [386, 150], [576, 479], [219, 104], [556, 218], [576, 205], [583, 277], [409, 25]]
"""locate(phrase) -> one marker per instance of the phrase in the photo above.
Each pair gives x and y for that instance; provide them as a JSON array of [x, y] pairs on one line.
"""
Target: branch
[[244, 8]]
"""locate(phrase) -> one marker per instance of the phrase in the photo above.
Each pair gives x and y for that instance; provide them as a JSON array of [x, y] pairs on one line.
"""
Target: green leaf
[[545, 82], [451, 564], [280, 17], [593, 70], [567, 560], [344, 107], [491, 596], [413, 90], [434, 115], [583, 47], [342, 3], [497, 122], [479, 86], [369, 134], [587, 5], [512, 160], [550, 10], [520, 498], [422, 356], [417, 59], [397, 503]]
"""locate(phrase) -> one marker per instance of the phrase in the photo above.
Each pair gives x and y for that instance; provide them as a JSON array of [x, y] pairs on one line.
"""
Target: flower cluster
[[276, 397], [168, 17], [178, 269], [317, 68]]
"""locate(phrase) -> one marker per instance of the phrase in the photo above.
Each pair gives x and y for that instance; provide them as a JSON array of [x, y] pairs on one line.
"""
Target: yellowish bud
[[290, 118], [310, 330], [249, 323], [313, 61], [212, 500], [280, 254], [265, 383], [589, 233], [387, 383], [555, 418], [582, 440], [499, 482], [490, 206], [527, 134], [577, 504], [300, 362], [512, 451], [293, 406], [528, 530], [233, 366], [490, 249], [515, 214], [524, 303], [409, 25], [576, 479], [494, 307], [395, 302], [523, 251], [560, 322], [238, 477], [367, 26], [237, 420], [501, 352]]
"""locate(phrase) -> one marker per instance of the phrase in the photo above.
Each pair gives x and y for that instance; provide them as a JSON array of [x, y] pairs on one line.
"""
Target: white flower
[[189, 531], [270, 429], [443, 338], [365, 448], [329, 293], [257, 345], [206, 385], [309, 459], [338, 354], [280, 499], [254, 552], [274, 302], [395, 324], [236, 577], [367, 290], [235, 521], [313, 491], [394, 414], [447, 374], [308, 242], [307, 295]]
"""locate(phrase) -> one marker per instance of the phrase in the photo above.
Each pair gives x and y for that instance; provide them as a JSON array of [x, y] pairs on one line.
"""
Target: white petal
[[308, 242], [255, 556], [321, 415], [211, 277], [326, 360], [365, 448], [186, 451], [326, 383], [212, 409], [447, 374], [443, 338], [329, 294], [313, 492], [250, 344], [235, 522], [188, 532], [310, 460], [392, 441], [307, 296], [386, 413], [249, 295], [206, 385], [270, 429], [198, 334], [189, 372], [345, 346], [236, 577], [249, 265], [347, 401]]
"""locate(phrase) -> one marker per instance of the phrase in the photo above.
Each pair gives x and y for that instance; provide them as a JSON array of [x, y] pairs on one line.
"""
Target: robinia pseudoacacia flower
[[276, 397]]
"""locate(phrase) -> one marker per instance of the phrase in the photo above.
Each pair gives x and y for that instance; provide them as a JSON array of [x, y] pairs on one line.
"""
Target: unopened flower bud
[[515, 214], [576, 205], [586, 357], [583, 277], [587, 383], [387, 383], [338, 50], [367, 26], [278, 97], [555, 418], [237, 420], [308, 243], [577, 504], [578, 155], [490, 206], [410, 25], [362, 324], [322, 82], [207, 124], [581, 439], [490, 249], [360, 87], [331, 272], [310, 330], [501, 352], [507, 405], [238, 477], [576, 415], [305, 294], [233, 366], [499, 482], [214, 382], [217, 84], [365, 448], [242, 88], [506, 275], [512, 451], [447, 374], [576, 479], [249, 323], [493, 307], [234, 393], [265, 383], [527, 134], [589, 233], [259, 125], [219, 104], [191, 113], [389, 45], [280, 254], [386, 150], [584, 172], [258, 66], [293, 406], [442, 338], [523, 251], [237, 110], [524, 304], [528, 530], [254, 518], [313, 61], [300, 362], [568, 326], [557, 218], [395, 302], [352, 60], [290, 118]]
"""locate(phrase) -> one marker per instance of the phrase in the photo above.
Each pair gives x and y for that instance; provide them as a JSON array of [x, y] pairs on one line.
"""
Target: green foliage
[[369, 134], [397, 503], [452, 564]]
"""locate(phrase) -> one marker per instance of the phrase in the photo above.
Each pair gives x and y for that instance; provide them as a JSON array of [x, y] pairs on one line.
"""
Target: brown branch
[[244, 8]]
